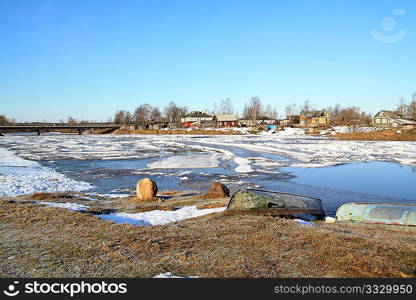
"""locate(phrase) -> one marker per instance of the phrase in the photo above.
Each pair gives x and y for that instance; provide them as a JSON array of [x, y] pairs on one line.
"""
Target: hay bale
[[218, 190], [146, 190]]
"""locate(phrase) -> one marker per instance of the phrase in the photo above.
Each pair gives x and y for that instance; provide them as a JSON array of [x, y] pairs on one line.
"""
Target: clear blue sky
[[88, 58]]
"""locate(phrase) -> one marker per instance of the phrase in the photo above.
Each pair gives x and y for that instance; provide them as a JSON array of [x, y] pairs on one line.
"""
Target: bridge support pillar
[[80, 131], [38, 131]]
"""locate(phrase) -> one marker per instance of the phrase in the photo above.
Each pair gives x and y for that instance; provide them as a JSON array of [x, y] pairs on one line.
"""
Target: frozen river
[[335, 171]]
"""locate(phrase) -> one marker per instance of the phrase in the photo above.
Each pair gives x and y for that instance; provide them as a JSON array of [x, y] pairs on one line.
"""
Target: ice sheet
[[186, 162]]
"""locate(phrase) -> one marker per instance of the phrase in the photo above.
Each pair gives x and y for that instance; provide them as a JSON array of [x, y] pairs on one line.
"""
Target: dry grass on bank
[[38, 241], [165, 200], [382, 135]]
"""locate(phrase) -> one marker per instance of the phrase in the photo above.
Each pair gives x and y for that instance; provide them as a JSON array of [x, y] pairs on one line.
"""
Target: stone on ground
[[146, 190], [218, 190]]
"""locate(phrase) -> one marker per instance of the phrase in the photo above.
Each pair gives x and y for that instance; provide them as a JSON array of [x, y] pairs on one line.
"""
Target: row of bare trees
[[255, 110], [351, 115], [172, 113], [146, 113]]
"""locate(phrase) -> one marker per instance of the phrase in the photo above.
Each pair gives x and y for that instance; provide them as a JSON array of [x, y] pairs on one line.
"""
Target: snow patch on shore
[[159, 217], [19, 176], [68, 206], [170, 275]]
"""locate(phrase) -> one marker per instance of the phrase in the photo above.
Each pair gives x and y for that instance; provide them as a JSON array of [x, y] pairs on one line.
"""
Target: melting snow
[[68, 206], [159, 217], [170, 275], [303, 222], [20, 176]]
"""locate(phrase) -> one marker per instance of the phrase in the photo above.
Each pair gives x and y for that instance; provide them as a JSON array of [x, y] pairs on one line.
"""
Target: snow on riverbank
[[20, 176], [68, 206], [159, 217]]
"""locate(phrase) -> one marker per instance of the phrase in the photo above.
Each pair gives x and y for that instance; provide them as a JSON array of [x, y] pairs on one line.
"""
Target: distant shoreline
[[381, 135]]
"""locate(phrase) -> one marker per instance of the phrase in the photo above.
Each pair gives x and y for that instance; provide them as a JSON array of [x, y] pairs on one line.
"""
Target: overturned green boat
[[254, 201], [378, 213]]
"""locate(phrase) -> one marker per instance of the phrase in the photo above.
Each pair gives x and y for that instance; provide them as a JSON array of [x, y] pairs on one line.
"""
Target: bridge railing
[[59, 125]]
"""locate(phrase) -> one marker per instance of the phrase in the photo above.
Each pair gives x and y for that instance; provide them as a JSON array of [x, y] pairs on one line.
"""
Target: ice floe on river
[[240, 155], [20, 176], [186, 162]]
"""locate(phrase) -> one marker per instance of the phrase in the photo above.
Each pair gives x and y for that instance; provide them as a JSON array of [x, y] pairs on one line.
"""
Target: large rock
[[146, 190], [218, 190]]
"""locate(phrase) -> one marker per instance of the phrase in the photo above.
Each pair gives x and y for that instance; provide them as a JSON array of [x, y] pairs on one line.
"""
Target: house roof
[[396, 117], [315, 114], [405, 121], [197, 114], [222, 118], [389, 113]]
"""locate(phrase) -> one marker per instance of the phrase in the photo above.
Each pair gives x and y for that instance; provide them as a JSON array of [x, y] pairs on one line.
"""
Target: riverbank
[[180, 131], [381, 135], [40, 241]]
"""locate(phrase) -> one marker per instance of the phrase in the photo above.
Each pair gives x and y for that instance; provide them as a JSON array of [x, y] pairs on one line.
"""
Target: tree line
[[146, 113], [172, 113], [407, 110], [339, 115], [252, 110]]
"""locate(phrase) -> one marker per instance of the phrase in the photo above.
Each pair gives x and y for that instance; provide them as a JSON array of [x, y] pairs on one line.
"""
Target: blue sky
[[88, 58]]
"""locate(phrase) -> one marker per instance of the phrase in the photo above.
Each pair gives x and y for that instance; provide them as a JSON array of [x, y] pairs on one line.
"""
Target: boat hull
[[378, 213], [251, 201]]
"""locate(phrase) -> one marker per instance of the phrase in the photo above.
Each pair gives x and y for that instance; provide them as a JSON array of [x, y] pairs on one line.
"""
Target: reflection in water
[[378, 178]]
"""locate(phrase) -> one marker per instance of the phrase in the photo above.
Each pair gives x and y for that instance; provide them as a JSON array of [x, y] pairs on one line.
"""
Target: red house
[[224, 121]]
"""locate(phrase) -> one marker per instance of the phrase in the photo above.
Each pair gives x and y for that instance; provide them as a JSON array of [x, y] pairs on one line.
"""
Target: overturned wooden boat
[[254, 201], [378, 213]]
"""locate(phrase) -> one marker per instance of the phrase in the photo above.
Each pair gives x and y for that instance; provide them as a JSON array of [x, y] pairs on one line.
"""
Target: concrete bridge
[[46, 127]]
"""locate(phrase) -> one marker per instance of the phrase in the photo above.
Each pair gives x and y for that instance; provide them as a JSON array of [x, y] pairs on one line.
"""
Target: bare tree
[[411, 108], [119, 117], [334, 111], [156, 115], [226, 107], [402, 108], [128, 118], [71, 121], [214, 110], [270, 112], [254, 109], [290, 110], [4, 120], [351, 116], [306, 107], [173, 113], [142, 114]]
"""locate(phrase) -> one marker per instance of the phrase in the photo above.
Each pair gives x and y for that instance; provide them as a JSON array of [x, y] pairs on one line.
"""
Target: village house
[[390, 119], [223, 121], [203, 124], [260, 120], [195, 116], [290, 121], [319, 118]]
